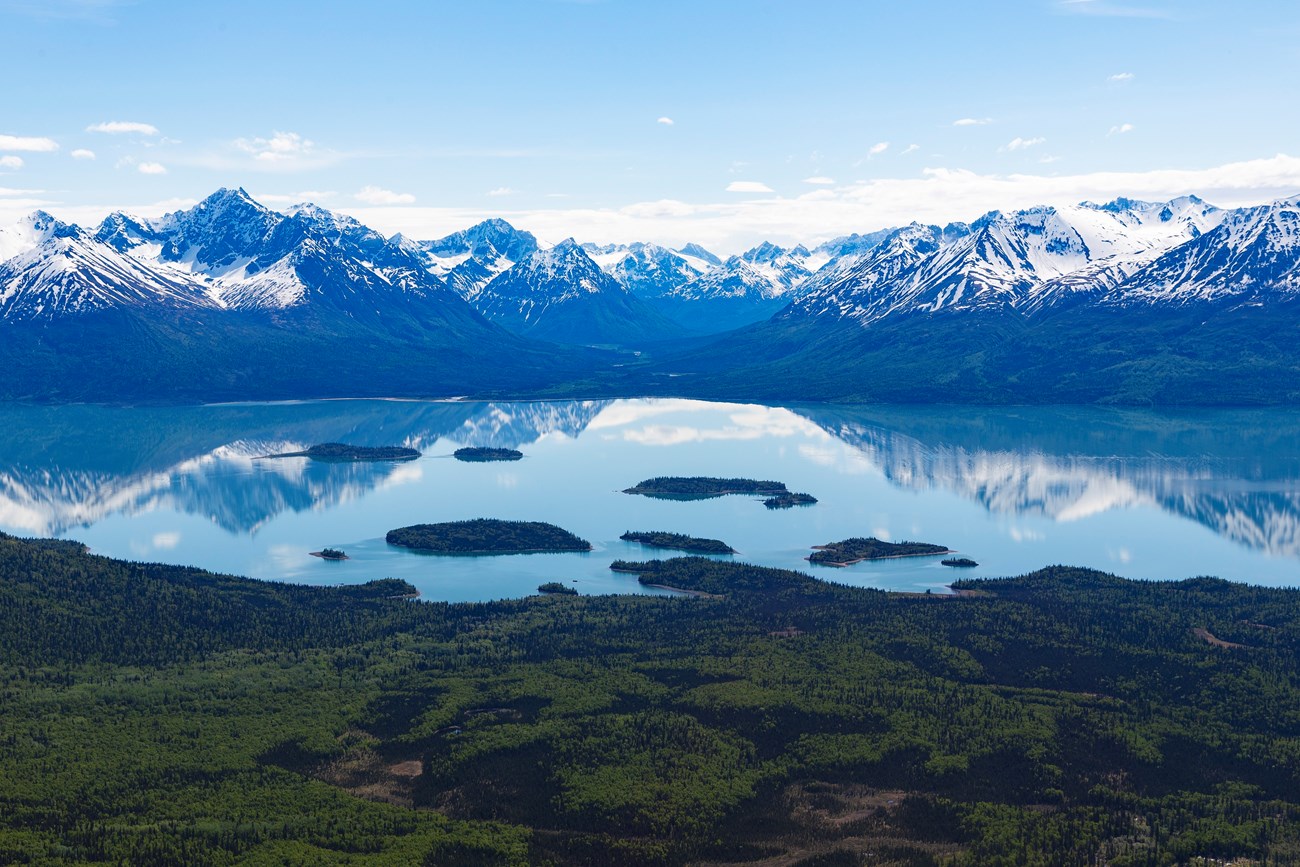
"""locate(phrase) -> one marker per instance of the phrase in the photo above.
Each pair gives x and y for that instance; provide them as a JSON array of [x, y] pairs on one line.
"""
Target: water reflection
[[1235, 472]]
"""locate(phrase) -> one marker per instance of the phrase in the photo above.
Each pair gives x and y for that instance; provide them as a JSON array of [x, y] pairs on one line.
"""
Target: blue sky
[[723, 122]]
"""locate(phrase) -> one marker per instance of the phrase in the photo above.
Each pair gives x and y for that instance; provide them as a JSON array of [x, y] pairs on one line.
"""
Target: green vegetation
[[556, 587], [487, 536], [678, 542], [857, 549], [330, 554], [341, 453], [161, 715], [960, 562], [702, 487], [789, 500], [484, 454]]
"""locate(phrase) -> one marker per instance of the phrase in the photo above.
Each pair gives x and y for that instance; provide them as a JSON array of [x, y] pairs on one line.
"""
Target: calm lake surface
[[1142, 494]]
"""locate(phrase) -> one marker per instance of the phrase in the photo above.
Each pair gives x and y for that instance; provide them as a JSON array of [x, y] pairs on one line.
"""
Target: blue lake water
[[1142, 494]]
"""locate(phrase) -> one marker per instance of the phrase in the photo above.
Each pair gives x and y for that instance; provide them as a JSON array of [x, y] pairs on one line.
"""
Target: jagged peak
[[699, 252]]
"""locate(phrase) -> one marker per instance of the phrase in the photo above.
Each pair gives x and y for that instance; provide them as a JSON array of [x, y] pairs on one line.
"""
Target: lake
[[1145, 494]]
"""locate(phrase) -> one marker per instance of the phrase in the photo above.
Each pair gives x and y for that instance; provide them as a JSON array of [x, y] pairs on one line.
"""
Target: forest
[[155, 714], [678, 542], [857, 549], [486, 536], [702, 487]]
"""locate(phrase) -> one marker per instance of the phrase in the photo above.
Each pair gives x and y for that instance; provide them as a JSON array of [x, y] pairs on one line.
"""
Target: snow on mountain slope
[[468, 260], [1251, 257], [69, 273], [28, 233]]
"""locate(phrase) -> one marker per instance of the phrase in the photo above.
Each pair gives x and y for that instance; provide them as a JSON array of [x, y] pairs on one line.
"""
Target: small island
[[789, 500], [960, 562], [856, 550], [330, 554], [487, 536], [555, 588], [481, 454], [341, 453], [678, 542], [703, 488]]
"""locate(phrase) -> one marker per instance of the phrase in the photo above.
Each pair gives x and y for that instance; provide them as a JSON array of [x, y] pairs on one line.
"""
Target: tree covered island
[[330, 554], [483, 454], [487, 536], [703, 488], [678, 542], [555, 588], [959, 562], [343, 453], [789, 500], [857, 549]]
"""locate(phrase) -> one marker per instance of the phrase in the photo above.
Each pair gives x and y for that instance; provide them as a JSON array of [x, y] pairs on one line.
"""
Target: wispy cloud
[[11, 162], [878, 148], [1112, 9], [373, 195], [1019, 144], [501, 191], [666, 121], [819, 180], [972, 121], [83, 154], [1121, 77], [911, 149], [121, 127], [281, 147], [27, 143], [151, 169], [1120, 129], [748, 187]]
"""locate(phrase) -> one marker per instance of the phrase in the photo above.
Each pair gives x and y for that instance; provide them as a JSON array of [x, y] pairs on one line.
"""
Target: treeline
[[1063, 717]]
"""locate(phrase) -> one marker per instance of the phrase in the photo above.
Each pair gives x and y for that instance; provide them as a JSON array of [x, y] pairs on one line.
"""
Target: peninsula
[[487, 536], [857, 549]]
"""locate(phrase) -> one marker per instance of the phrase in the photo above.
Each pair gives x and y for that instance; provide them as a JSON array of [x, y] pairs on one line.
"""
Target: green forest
[[678, 542], [702, 487], [157, 714], [857, 549], [486, 536]]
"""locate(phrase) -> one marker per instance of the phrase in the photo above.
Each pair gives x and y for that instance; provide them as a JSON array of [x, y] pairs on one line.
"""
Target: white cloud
[[373, 195], [1120, 129], [501, 191], [748, 187], [27, 143], [819, 180], [911, 149], [878, 148], [281, 147], [666, 121], [972, 121], [11, 162], [1121, 77], [166, 541], [120, 127], [1049, 159], [151, 169], [1019, 144], [294, 198], [83, 154]]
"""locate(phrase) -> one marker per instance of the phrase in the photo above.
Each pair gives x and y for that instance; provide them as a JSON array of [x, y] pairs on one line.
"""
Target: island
[[678, 542], [487, 536], [960, 562], [555, 588], [857, 549], [788, 500], [703, 488], [342, 452], [330, 554], [482, 454]]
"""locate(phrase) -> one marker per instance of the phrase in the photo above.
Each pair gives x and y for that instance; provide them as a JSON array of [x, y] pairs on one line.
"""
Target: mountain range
[[1127, 301]]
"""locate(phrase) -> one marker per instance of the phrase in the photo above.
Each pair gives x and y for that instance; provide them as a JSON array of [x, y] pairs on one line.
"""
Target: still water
[[1142, 494]]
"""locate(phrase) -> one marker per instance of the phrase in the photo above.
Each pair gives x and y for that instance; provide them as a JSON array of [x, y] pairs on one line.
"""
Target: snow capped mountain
[[61, 271], [1024, 261], [1251, 257], [468, 260], [651, 271], [561, 294], [699, 258]]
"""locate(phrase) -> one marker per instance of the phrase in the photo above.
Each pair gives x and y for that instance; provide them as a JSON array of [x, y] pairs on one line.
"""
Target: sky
[[723, 122]]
